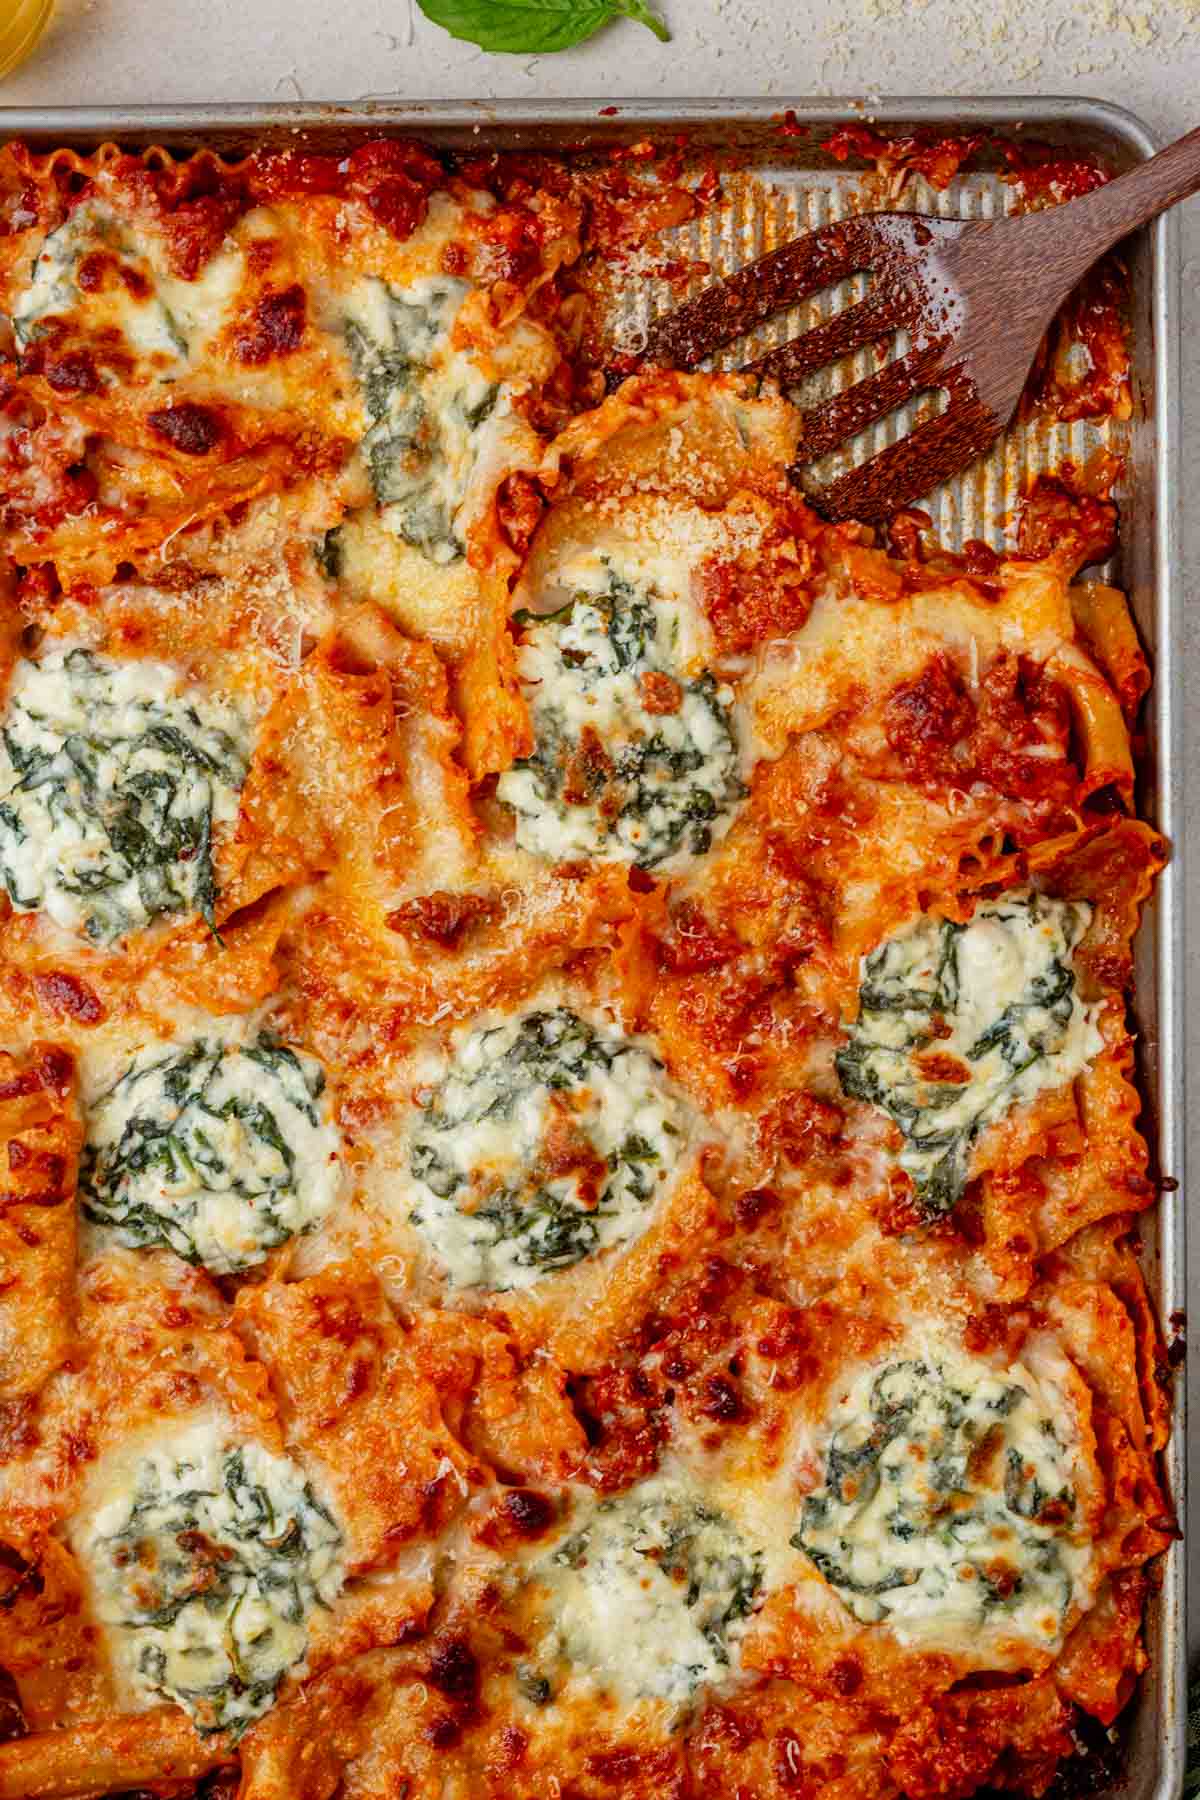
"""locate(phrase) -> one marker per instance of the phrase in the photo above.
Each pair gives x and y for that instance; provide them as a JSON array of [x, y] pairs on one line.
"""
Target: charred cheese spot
[[206, 1571], [93, 275], [275, 327], [546, 1140], [648, 1596], [958, 1024], [72, 373], [949, 1504], [192, 430], [65, 994], [221, 1148], [633, 762], [114, 777]]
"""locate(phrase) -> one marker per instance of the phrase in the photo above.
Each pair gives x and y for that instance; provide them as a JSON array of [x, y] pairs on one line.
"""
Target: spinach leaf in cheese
[[209, 1571], [426, 404], [959, 1023], [113, 777], [649, 1596], [327, 553], [547, 1139], [220, 1149], [949, 1503], [632, 762]]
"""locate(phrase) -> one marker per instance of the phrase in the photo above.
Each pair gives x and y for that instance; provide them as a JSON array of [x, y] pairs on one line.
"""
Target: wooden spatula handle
[[1076, 235], [1134, 199]]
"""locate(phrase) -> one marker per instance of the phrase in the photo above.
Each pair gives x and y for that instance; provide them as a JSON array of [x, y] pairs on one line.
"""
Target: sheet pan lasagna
[[572, 1151]]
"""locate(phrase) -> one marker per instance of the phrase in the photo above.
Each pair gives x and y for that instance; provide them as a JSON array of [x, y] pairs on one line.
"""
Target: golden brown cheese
[[693, 939]]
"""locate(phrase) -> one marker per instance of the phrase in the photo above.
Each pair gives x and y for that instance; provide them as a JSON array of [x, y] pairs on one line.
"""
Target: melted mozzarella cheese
[[165, 322], [960, 1023], [545, 1139], [648, 1594], [113, 776], [220, 1147], [207, 1559], [950, 1507]]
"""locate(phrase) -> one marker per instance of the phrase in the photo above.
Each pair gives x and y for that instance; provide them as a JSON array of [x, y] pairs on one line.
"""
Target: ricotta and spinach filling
[[959, 1023], [161, 318], [115, 775], [207, 1572], [220, 1148], [632, 761], [427, 405], [547, 1139], [649, 1596], [949, 1503]]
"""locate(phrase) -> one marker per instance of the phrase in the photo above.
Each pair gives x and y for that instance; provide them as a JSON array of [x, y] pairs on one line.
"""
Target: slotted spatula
[[975, 296]]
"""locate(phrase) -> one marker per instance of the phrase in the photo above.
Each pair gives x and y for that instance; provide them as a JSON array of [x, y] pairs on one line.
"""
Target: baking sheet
[[793, 185]]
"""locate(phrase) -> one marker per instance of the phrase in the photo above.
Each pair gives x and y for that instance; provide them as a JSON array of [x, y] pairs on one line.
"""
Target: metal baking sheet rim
[[1159, 1728]]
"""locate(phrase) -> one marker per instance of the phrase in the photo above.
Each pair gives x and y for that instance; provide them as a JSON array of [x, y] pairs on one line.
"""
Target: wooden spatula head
[[974, 296], [916, 287]]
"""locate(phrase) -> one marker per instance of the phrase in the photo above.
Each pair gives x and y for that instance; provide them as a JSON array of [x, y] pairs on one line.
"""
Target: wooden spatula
[[975, 296]]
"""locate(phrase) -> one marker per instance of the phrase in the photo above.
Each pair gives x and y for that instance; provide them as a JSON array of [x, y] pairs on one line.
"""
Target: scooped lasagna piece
[[639, 747]]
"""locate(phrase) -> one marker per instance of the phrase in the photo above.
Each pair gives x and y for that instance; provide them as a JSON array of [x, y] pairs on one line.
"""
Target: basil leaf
[[535, 26]]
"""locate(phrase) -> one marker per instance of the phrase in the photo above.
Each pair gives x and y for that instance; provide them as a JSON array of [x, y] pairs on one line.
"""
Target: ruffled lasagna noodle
[[569, 1111]]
